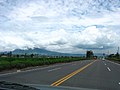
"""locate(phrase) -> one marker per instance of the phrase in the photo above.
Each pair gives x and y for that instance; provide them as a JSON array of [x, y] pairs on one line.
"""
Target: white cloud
[[61, 40], [65, 26]]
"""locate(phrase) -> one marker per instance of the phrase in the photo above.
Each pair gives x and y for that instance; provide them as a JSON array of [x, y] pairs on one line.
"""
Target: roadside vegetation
[[7, 63], [114, 57]]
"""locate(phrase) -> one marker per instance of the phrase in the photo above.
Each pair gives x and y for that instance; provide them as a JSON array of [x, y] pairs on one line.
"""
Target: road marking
[[113, 62], [108, 69], [18, 70], [41, 68], [74, 64], [54, 69], [8, 73], [60, 81], [104, 63]]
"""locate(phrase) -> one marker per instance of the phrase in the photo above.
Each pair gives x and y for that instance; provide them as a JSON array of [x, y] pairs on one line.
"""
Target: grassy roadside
[[114, 59], [19, 63], [117, 60]]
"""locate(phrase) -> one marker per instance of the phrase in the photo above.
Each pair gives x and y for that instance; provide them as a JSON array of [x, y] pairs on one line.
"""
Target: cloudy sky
[[69, 26]]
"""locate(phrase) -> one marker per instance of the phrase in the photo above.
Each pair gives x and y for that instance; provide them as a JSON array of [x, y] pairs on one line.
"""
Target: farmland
[[7, 63]]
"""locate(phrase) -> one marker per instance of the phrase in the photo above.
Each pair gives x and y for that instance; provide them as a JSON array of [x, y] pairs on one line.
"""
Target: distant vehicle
[[103, 59]]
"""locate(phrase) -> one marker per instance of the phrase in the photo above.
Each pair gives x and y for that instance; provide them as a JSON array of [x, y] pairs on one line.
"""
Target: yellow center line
[[60, 81]]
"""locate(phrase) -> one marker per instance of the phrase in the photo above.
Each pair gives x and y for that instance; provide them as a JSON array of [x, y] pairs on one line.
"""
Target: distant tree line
[[26, 55], [114, 56]]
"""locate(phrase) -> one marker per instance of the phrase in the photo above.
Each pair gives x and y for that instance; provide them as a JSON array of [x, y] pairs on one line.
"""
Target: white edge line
[[8, 73], [113, 62], [33, 69], [73, 64], [54, 69]]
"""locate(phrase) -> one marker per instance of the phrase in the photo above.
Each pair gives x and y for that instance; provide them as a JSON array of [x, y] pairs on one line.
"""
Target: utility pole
[[118, 50], [108, 52], [117, 54]]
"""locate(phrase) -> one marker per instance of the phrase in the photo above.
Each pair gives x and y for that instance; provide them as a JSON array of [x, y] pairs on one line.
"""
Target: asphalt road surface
[[94, 74]]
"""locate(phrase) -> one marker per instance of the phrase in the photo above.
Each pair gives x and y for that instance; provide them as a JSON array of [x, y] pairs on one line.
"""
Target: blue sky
[[69, 26]]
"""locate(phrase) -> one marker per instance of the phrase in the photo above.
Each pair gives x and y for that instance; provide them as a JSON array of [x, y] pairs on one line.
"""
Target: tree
[[17, 55], [32, 55], [117, 55], [9, 54], [89, 54], [25, 56]]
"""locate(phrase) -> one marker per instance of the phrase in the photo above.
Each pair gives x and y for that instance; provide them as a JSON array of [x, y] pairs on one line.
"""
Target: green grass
[[19, 63], [114, 59]]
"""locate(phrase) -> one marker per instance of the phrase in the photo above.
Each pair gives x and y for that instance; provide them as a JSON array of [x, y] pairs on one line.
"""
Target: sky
[[68, 26]]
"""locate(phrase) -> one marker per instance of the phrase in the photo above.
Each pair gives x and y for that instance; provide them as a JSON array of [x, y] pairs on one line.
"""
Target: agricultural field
[[7, 63]]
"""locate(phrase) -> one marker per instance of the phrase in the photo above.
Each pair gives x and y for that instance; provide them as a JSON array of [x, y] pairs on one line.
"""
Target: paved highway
[[98, 74]]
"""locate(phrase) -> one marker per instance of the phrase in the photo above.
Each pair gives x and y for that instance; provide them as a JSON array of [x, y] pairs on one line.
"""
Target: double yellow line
[[57, 83]]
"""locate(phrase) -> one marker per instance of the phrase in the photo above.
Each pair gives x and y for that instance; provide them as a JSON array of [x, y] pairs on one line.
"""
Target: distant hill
[[43, 52], [46, 52]]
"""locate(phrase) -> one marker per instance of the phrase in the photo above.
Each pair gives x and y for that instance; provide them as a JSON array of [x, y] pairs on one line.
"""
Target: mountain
[[43, 52], [34, 51]]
